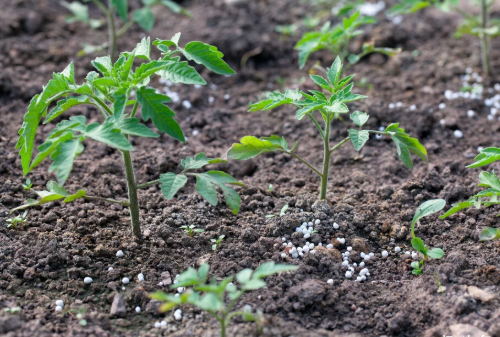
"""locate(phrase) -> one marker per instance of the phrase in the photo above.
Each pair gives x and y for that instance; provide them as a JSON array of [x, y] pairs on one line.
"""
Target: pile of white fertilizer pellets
[[307, 228]]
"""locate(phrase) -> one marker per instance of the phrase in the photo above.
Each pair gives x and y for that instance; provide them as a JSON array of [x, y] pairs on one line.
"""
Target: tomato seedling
[[330, 106], [217, 242], [110, 92], [427, 208], [220, 298], [191, 230], [480, 26], [282, 212], [28, 185], [487, 197], [16, 221], [143, 16], [337, 38]]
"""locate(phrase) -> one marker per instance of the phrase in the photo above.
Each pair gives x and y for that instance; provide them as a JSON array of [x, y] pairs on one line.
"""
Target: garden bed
[[372, 196]]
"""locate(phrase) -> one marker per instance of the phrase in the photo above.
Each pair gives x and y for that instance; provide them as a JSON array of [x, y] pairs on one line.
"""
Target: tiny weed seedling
[[337, 39], [143, 16], [330, 106], [220, 298], [217, 242], [16, 221], [110, 93], [480, 26], [13, 310], [28, 185], [487, 197], [191, 230], [282, 212], [425, 209]]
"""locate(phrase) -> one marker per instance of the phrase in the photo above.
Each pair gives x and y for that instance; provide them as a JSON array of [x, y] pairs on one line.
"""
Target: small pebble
[[458, 134], [348, 274], [110, 269], [59, 308], [317, 222], [178, 314], [330, 281], [336, 225], [119, 253], [60, 303], [385, 253], [163, 324], [283, 255], [442, 106], [137, 309], [397, 249], [88, 280], [125, 280], [157, 325], [470, 113]]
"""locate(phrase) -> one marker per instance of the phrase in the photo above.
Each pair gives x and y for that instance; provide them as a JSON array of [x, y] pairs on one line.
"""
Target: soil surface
[[372, 196]]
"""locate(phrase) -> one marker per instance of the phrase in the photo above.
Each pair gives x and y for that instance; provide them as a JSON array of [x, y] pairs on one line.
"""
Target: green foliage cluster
[[143, 16], [331, 104], [17, 221], [217, 242], [488, 196], [191, 230], [480, 26], [110, 90], [219, 298], [337, 39]]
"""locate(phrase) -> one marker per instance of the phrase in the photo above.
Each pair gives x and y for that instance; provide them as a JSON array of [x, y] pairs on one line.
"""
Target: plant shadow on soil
[[372, 196]]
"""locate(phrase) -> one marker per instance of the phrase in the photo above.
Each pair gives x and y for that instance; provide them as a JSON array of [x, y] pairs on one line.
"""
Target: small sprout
[[282, 212], [191, 230], [218, 299], [270, 188], [489, 234], [16, 221], [217, 242], [13, 310], [28, 185]]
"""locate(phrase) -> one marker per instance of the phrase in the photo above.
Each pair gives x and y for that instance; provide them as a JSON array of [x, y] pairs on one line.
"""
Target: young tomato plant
[[487, 197], [216, 242], [480, 26], [220, 298], [337, 39], [330, 106], [16, 221], [425, 209], [110, 92], [143, 16], [28, 185], [191, 230], [282, 212]]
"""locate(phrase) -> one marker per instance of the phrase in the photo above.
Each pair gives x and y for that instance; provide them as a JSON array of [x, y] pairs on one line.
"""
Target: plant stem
[[485, 38], [304, 162], [111, 33], [149, 183], [132, 194], [339, 144], [326, 161], [122, 202], [124, 28], [134, 109], [222, 327]]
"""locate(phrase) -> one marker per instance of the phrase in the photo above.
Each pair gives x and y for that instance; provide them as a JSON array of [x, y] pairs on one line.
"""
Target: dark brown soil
[[372, 196]]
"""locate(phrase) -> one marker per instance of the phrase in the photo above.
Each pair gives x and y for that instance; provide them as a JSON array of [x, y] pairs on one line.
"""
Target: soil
[[372, 196]]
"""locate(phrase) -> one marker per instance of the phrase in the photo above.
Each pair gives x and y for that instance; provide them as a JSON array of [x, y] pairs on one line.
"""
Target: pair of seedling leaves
[[331, 107], [110, 93], [337, 40], [214, 298]]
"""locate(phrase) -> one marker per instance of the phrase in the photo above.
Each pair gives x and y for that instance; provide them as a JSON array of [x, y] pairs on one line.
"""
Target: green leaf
[[307, 108], [132, 126], [174, 7], [63, 158], [210, 302], [405, 144], [121, 8], [487, 156], [80, 13], [69, 73], [320, 81], [275, 100], [335, 71], [205, 186], [181, 72], [171, 183], [148, 69], [164, 45], [489, 234], [489, 180], [127, 65], [108, 134], [418, 244], [271, 268], [54, 192], [358, 138], [456, 208], [143, 49], [144, 18], [64, 105], [283, 210], [254, 284], [72, 197], [153, 108], [359, 118], [336, 107], [428, 208], [65, 125], [103, 65], [199, 161], [244, 275], [120, 103], [250, 147], [435, 253], [208, 56], [48, 147], [187, 278]]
